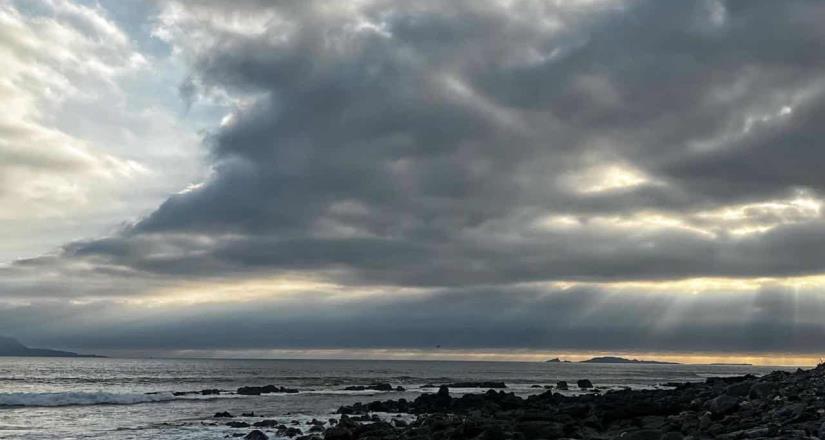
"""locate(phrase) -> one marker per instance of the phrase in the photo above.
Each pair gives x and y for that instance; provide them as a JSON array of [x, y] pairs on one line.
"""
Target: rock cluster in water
[[266, 389], [779, 405]]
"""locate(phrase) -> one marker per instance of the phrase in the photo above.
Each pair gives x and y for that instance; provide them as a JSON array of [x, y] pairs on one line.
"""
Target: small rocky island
[[780, 405], [12, 347], [613, 360]]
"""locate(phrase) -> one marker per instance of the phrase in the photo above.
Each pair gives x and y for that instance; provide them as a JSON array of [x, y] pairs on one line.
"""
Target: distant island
[[12, 347], [621, 360], [613, 360]]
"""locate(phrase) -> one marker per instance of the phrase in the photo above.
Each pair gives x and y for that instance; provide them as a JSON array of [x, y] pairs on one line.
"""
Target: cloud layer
[[468, 149]]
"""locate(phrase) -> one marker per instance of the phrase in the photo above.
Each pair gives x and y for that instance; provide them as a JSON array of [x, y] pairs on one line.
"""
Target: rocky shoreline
[[779, 405]]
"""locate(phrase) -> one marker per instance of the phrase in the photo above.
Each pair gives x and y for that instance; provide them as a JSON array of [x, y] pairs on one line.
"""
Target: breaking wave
[[82, 398]]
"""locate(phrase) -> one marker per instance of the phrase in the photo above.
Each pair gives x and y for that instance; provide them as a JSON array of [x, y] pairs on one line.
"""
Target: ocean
[[83, 398]]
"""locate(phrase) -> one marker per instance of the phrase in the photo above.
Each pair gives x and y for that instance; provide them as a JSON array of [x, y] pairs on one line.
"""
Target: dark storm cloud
[[421, 149], [516, 318], [455, 145]]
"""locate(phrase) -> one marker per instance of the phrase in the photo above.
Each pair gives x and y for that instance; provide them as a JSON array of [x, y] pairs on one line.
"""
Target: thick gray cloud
[[470, 147], [518, 318], [420, 144]]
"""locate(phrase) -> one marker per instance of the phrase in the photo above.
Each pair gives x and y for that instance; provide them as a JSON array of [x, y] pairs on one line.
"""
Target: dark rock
[[477, 385], [740, 389], [235, 424], [562, 385], [338, 433], [268, 389], [210, 392], [723, 404], [643, 434], [762, 390], [540, 429], [373, 387], [256, 435], [781, 406], [584, 383], [266, 424], [224, 414], [248, 414]]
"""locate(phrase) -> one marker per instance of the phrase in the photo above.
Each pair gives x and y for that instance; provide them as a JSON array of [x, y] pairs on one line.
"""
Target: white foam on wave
[[81, 398]]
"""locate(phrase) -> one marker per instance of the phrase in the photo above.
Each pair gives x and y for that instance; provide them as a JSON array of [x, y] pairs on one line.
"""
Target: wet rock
[[762, 390], [787, 406], [373, 387], [256, 435], [540, 429], [248, 414], [235, 424], [723, 404], [224, 414], [338, 433], [268, 389], [290, 431], [643, 434], [562, 385], [266, 424], [584, 383], [477, 385]]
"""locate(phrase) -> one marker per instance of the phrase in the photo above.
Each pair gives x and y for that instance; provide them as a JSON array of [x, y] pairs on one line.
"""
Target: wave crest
[[81, 398]]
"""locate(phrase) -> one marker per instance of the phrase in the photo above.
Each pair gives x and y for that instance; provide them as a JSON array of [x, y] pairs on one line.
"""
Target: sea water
[[84, 398]]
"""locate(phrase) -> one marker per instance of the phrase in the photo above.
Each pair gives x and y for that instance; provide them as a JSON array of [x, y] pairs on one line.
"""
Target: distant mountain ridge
[[13, 347], [614, 360]]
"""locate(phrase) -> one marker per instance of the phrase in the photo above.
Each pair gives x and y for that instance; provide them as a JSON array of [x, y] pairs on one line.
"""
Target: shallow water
[[86, 398]]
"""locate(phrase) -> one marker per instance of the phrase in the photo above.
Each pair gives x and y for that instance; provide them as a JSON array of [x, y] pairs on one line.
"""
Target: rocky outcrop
[[267, 389], [373, 387], [477, 385], [779, 405]]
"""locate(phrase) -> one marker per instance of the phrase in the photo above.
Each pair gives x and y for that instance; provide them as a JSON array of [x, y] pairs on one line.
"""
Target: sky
[[474, 179]]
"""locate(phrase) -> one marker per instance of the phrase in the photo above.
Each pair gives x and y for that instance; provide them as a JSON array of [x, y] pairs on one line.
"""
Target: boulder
[[723, 404], [562, 385], [643, 434], [256, 435], [584, 383]]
